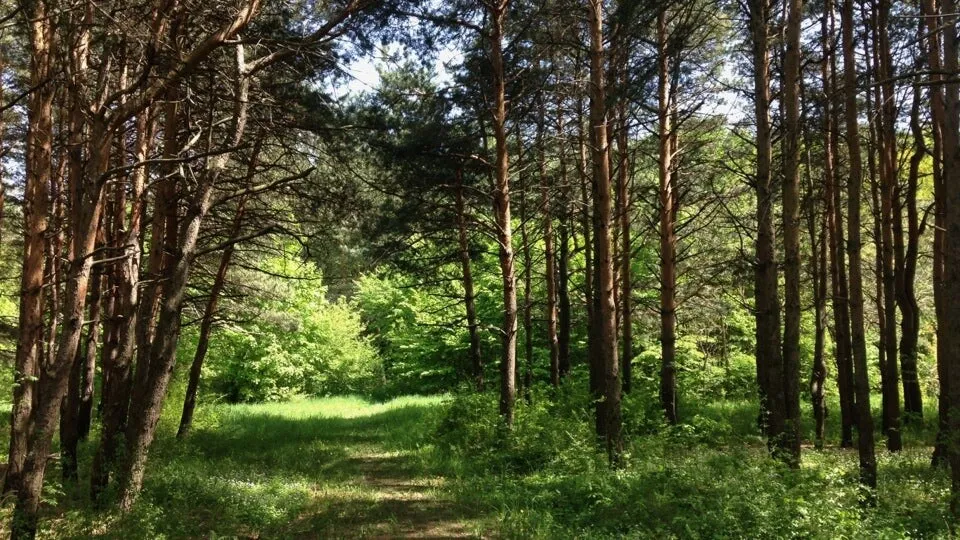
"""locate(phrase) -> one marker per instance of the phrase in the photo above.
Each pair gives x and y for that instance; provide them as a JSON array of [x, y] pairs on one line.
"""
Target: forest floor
[[328, 468], [441, 467]]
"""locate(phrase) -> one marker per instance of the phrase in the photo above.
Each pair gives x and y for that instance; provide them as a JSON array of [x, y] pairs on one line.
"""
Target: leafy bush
[[545, 432], [298, 343], [411, 331], [708, 477]]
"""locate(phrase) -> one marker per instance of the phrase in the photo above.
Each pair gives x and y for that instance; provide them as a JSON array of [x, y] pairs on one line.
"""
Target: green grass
[[337, 467], [443, 467]]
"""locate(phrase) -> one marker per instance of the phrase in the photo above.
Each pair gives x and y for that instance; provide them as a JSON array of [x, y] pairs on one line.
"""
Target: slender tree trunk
[[501, 210], [163, 242], [469, 296], [907, 267], [604, 342], [888, 179], [766, 289], [76, 390], [872, 98], [937, 114], [117, 376], [626, 250], [668, 239], [145, 408], [206, 323], [589, 286], [549, 253], [950, 323], [834, 225], [865, 444], [564, 319], [818, 375], [39, 154], [818, 278], [527, 277], [790, 444]]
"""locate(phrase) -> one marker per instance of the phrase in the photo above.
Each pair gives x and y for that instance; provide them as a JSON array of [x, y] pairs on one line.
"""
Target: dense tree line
[[583, 145]]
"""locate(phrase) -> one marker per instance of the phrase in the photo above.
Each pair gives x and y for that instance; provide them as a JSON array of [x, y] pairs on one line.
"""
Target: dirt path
[[383, 488], [409, 506]]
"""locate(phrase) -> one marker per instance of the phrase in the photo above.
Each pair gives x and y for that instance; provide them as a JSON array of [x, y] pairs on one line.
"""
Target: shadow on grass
[[284, 472]]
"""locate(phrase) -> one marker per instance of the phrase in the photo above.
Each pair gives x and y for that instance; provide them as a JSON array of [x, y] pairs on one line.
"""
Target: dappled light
[[479, 269]]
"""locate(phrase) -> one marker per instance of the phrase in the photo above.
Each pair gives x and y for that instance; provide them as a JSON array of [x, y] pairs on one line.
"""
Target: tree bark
[[790, 443], [78, 391], [950, 323], [564, 319], [549, 253], [624, 178], [766, 288], [886, 137], [834, 225], [469, 296], [206, 323], [117, 380], [865, 442], [39, 154], [501, 210], [668, 239], [603, 346], [937, 114], [906, 263], [527, 277]]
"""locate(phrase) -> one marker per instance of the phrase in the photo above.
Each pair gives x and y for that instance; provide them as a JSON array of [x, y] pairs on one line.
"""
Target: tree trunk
[[766, 288], [206, 323], [586, 217], [501, 210], [907, 266], [117, 380], [937, 114], [818, 278], [865, 443], [668, 239], [886, 137], [950, 323], [603, 346], [818, 375], [549, 254], [80, 376], [834, 225], [790, 443], [469, 296], [527, 278], [626, 251], [39, 154], [564, 319]]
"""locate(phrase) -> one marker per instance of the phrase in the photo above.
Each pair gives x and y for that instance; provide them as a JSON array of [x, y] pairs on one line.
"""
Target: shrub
[[298, 343]]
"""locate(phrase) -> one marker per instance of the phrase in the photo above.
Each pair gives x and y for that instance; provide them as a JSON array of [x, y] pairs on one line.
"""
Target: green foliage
[[709, 477], [279, 470], [298, 342]]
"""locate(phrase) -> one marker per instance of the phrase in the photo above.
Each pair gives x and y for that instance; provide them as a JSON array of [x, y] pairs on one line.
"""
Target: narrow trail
[[407, 506], [326, 468], [380, 486]]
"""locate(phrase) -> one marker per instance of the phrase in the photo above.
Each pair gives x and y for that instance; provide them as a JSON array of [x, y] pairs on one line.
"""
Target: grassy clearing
[[442, 467], [327, 468]]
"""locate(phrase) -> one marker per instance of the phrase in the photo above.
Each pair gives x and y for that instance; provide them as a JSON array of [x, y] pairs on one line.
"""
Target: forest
[[479, 269]]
